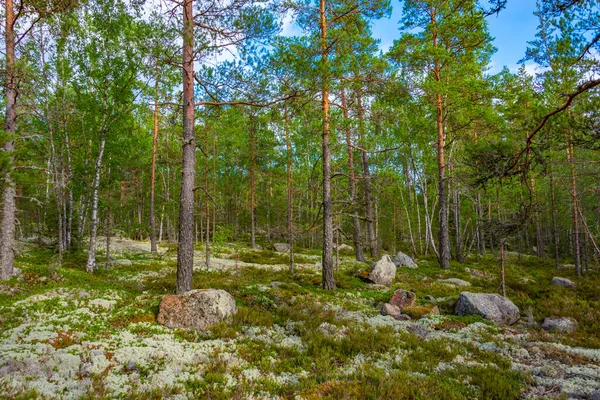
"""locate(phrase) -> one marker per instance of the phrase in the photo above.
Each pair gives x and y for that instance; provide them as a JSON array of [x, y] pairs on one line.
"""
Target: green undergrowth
[[337, 357]]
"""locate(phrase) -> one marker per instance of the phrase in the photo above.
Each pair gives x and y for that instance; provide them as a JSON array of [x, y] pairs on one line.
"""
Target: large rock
[[383, 271], [402, 260], [560, 324], [390, 309], [456, 282], [490, 306], [417, 312], [564, 282], [198, 309], [345, 247], [282, 247], [403, 298]]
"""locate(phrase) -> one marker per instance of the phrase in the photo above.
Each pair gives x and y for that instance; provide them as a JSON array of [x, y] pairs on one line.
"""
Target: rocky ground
[[69, 334]]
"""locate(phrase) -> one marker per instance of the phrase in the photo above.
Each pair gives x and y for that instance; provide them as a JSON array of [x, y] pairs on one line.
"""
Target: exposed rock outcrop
[[564, 282], [383, 271], [198, 309], [402, 260], [490, 306], [562, 325]]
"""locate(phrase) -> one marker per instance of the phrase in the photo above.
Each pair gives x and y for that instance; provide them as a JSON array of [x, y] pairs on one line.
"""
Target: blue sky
[[512, 29]]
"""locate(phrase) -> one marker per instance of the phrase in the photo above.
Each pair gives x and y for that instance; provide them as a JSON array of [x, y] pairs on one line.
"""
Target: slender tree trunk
[[153, 246], [290, 191], [480, 234], [7, 226], [352, 177], [207, 199], [328, 279], [444, 237], [91, 263], [574, 206], [214, 186], [554, 223], [373, 247], [252, 185], [185, 249], [503, 274], [108, 231], [460, 257], [58, 197]]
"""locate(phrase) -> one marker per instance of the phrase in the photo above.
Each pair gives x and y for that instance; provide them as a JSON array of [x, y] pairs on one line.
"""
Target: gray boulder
[[390, 309], [345, 247], [456, 282], [490, 306], [559, 324], [402, 260], [383, 271], [564, 282], [282, 247], [197, 309], [124, 262]]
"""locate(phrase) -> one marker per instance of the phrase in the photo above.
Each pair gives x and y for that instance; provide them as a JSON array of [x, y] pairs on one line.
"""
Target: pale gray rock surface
[[281, 247], [390, 309], [403, 260], [564, 282], [383, 271], [560, 324], [198, 309], [345, 247], [490, 306], [456, 282]]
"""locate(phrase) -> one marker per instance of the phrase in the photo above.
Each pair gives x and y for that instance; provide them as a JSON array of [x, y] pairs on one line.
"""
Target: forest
[[256, 199]]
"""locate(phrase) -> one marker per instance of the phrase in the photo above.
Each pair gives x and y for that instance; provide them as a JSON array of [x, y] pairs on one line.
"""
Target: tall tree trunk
[[252, 184], [7, 226], [456, 205], [480, 234], [554, 223], [360, 256], [328, 279], [502, 270], [207, 199], [574, 206], [444, 237], [214, 186], [290, 191], [185, 248], [373, 247], [91, 263], [108, 230], [153, 246]]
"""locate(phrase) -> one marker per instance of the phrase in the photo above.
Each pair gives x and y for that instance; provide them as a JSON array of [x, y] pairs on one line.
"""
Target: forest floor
[[69, 334]]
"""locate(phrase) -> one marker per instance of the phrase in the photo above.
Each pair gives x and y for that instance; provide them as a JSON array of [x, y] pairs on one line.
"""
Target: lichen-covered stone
[[416, 312], [345, 248], [403, 298], [456, 282], [560, 324], [403, 260], [383, 271], [198, 309], [390, 309], [281, 247], [564, 282], [490, 306]]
